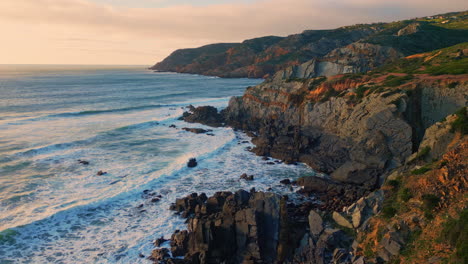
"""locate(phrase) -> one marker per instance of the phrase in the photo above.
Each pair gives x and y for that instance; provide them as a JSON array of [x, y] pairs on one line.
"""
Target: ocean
[[53, 209]]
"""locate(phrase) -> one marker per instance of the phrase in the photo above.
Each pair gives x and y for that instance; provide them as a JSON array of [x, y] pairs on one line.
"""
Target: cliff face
[[355, 128], [354, 58], [349, 49]]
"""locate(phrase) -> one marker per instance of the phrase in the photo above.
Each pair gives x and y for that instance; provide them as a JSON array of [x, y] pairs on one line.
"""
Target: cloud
[[158, 31]]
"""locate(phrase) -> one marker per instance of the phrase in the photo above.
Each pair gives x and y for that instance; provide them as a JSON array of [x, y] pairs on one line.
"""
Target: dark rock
[[270, 163], [159, 254], [196, 130], [156, 199], [285, 181], [173, 126], [192, 163], [190, 204], [334, 195], [179, 243], [84, 162], [265, 158], [158, 242], [100, 173], [207, 115], [247, 177], [141, 255]]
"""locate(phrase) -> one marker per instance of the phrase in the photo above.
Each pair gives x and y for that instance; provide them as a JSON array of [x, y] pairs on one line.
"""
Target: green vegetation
[[423, 153], [453, 85], [297, 98], [405, 194], [420, 171], [429, 36], [455, 232], [461, 123], [452, 67], [430, 202], [393, 81], [388, 212], [328, 94], [316, 82], [443, 61]]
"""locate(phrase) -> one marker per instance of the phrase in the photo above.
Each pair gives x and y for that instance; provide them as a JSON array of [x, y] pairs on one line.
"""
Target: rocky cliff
[[357, 48], [392, 143], [355, 128]]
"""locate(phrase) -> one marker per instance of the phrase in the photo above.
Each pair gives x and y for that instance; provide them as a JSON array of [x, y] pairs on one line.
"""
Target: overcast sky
[[142, 32]]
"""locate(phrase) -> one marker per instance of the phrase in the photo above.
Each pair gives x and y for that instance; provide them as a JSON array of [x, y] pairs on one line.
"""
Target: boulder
[[341, 220], [158, 242], [192, 163], [159, 254], [247, 177], [207, 115], [315, 223], [285, 181]]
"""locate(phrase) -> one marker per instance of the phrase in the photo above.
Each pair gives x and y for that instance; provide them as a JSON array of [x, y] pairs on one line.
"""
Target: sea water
[[54, 209]]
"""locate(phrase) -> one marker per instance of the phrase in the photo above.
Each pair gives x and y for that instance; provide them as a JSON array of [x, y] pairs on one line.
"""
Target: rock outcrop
[[353, 143], [354, 58], [207, 115], [253, 227], [354, 128]]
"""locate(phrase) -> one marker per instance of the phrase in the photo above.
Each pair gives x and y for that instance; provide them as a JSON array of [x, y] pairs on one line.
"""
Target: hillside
[[368, 46], [392, 144]]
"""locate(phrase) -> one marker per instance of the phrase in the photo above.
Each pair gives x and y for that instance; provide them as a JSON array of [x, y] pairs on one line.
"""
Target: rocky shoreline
[[370, 134]]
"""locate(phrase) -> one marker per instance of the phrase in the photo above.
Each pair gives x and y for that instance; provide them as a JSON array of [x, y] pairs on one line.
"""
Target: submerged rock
[[100, 173], [84, 162], [247, 177], [196, 130]]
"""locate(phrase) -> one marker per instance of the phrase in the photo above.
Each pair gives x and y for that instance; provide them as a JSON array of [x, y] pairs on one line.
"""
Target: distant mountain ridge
[[369, 46]]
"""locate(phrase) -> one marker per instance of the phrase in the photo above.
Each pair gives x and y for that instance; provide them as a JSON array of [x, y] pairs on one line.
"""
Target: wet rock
[[189, 204], [159, 254], [84, 162], [207, 115], [265, 158], [196, 130], [158, 242], [100, 173], [247, 177], [285, 181], [179, 243], [173, 126], [271, 163], [192, 163]]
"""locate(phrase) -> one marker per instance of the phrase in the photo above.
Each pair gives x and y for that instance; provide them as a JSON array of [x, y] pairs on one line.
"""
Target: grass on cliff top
[[449, 60], [430, 36]]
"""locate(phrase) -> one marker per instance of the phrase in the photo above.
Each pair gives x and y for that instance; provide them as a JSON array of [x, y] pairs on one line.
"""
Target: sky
[[143, 32]]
